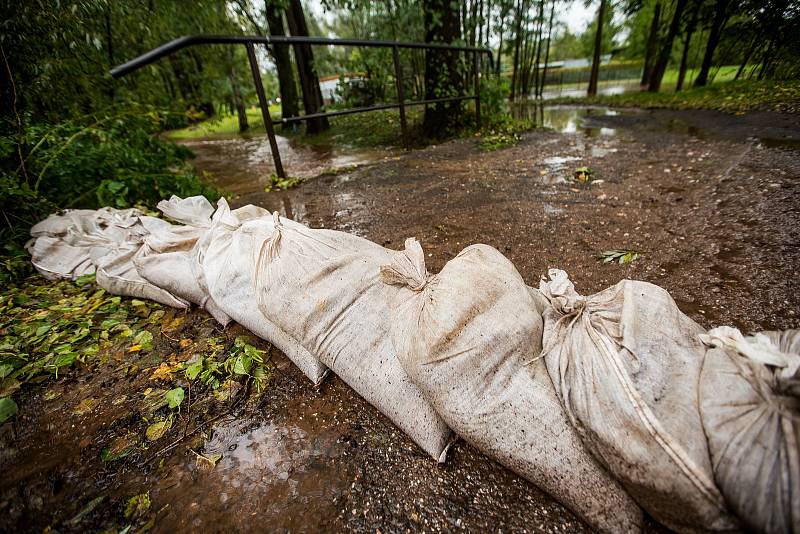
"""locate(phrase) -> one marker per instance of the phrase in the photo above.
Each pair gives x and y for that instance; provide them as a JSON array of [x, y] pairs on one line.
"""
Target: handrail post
[[476, 65], [398, 78], [262, 102]]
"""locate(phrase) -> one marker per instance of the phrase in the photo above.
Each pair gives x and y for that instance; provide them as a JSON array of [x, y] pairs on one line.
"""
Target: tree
[[547, 46], [691, 26], [283, 61], [652, 44], [442, 78], [720, 14], [237, 102], [598, 43], [660, 66], [304, 56]]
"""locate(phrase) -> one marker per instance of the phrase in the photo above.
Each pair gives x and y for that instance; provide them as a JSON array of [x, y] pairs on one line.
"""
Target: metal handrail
[[250, 41]]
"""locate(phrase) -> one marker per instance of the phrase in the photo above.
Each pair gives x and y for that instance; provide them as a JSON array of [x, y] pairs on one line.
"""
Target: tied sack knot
[[269, 248], [560, 291], [275, 239], [407, 267], [758, 348]]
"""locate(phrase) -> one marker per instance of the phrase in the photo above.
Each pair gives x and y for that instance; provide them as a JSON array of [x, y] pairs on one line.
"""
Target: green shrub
[[115, 159]]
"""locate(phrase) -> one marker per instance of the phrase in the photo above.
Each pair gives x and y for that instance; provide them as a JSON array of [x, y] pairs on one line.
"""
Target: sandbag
[[170, 254], [104, 241], [466, 337], [192, 211], [750, 405], [323, 288], [626, 364], [228, 254]]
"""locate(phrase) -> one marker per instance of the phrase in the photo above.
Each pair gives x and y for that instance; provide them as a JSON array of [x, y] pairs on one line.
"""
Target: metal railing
[[250, 41]]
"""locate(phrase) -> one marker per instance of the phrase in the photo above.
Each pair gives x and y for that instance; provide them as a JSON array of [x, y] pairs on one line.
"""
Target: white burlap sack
[[191, 211], [323, 288], [750, 404], [228, 256], [103, 241], [170, 255], [626, 364], [465, 336]]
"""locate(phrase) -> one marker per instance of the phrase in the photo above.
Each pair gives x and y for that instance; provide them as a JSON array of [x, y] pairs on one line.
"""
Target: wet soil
[[711, 200]]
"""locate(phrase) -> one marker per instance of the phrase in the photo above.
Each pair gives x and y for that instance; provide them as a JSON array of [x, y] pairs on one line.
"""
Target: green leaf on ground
[[174, 397], [620, 256], [8, 409], [138, 505]]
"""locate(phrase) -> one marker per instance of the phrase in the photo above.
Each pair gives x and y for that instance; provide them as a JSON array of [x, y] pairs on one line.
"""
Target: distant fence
[[250, 41], [580, 75]]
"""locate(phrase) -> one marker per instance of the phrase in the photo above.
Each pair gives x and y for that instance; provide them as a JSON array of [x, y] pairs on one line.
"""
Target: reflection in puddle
[[565, 119], [243, 164], [270, 477], [579, 90], [593, 141]]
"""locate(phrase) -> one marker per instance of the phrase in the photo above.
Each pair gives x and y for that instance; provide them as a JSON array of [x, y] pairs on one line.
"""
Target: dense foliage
[[111, 159]]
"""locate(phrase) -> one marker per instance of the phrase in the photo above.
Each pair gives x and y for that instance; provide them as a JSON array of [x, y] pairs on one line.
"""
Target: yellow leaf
[[135, 348], [165, 371]]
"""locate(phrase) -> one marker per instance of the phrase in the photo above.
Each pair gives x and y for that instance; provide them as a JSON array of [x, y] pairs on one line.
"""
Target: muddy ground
[[710, 200]]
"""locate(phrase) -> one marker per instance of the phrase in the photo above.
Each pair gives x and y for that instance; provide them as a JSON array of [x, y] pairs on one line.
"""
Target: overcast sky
[[575, 15]]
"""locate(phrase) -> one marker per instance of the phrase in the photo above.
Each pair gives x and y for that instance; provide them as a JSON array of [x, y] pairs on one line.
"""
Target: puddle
[[579, 90], [283, 476], [591, 140], [565, 119], [243, 163], [556, 171], [549, 209], [782, 143]]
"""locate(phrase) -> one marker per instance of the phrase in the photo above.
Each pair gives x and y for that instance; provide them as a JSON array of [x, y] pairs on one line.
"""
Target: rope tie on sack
[[758, 348], [561, 294], [407, 267], [269, 247]]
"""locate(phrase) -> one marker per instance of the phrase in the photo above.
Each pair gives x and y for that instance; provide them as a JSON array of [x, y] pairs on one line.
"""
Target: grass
[[730, 96], [226, 125], [363, 130]]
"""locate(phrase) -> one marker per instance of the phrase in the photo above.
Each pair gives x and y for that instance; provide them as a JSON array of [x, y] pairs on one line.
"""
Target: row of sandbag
[[701, 429], [612, 393]]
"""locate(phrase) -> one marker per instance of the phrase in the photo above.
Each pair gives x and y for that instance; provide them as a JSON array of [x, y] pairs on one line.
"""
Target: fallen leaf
[[174, 397], [8, 409], [85, 406], [165, 371], [158, 429]]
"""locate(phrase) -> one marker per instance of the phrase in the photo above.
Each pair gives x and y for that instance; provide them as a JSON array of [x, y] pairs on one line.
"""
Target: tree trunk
[[666, 49], [309, 82], [767, 58], [238, 102], [441, 69], [598, 44], [283, 62], [539, 40], [499, 48], [685, 55], [714, 36], [517, 43], [547, 47], [650, 48], [747, 57]]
